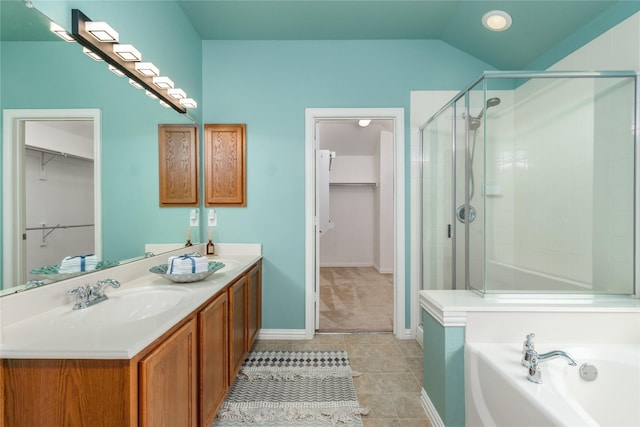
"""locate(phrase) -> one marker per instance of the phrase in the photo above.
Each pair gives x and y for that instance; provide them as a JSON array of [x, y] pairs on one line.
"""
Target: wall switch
[[212, 218], [193, 218]]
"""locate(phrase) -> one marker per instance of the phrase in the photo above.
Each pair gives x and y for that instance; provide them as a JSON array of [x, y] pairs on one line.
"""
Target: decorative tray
[[161, 270], [52, 272]]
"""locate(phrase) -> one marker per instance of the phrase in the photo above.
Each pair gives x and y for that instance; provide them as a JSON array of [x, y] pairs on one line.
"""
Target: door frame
[[13, 202], [312, 116]]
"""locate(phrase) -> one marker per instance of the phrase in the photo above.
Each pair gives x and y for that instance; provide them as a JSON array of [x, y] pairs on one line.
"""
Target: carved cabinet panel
[[225, 165], [179, 165]]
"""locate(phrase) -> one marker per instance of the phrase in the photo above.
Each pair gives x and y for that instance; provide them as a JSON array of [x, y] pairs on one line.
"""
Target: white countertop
[[47, 336]]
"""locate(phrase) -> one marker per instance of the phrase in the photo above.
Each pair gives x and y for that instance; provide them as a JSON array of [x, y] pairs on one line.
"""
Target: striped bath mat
[[293, 388]]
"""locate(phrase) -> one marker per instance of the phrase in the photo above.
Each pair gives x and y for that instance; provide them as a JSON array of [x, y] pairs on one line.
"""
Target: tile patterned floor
[[391, 378], [355, 299]]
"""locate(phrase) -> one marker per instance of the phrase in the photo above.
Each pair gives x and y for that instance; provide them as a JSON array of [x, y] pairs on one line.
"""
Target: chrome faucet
[[89, 295], [33, 283], [531, 358]]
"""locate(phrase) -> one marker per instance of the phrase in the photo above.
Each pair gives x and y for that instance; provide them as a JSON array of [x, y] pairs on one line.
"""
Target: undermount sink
[[125, 306]]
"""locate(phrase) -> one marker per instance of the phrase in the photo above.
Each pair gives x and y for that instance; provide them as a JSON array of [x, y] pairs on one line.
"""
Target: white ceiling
[[347, 138]]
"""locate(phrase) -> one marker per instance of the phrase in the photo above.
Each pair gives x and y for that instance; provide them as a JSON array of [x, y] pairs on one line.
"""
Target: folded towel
[[78, 263], [187, 264]]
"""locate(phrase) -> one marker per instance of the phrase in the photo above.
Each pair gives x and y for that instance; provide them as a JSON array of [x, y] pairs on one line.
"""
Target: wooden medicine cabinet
[[225, 165], [178, 165]]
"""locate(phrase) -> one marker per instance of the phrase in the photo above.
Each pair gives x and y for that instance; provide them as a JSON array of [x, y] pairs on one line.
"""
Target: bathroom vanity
[[172, 367]]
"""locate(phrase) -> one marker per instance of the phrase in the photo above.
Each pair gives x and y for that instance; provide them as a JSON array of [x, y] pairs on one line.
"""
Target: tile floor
[[391, 378]]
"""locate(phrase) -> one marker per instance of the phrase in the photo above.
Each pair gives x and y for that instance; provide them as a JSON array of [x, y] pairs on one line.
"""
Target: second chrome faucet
[[531, 359]]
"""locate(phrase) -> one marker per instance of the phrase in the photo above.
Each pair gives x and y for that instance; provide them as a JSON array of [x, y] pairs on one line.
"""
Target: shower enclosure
[[529, 185]]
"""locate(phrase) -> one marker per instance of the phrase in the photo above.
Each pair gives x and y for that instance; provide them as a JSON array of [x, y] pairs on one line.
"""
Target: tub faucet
[[526, 346], [531, 359]]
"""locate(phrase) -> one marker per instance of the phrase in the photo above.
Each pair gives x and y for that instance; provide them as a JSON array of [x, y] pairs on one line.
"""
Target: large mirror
[[96, 193]]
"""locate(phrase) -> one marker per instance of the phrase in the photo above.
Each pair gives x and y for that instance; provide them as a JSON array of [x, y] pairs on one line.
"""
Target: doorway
[[55, 155], [371, 260]]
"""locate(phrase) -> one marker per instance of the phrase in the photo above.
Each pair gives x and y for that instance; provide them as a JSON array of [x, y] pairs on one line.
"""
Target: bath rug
[[285, 388]]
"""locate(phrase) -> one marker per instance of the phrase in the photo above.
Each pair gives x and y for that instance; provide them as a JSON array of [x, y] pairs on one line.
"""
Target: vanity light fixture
[[60, 32], [163, 82], [151, 95], [127, 52], [177, 93], [102, 32], [135, 84], [496, 20], [124, 59], [363, 123], [188, 103], [147, 69], [116, 71], [91, 54]]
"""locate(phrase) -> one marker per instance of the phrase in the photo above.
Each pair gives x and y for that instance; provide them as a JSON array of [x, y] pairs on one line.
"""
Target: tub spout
[[534, 372], [555, 354]]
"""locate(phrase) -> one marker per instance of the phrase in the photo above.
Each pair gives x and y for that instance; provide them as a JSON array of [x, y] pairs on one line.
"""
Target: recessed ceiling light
[[496, 20], [364, 123]]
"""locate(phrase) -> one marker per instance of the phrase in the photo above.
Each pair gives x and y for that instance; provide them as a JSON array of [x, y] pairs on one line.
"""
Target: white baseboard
[[420, 335], [433, 415], [282, 334], [404, 334]]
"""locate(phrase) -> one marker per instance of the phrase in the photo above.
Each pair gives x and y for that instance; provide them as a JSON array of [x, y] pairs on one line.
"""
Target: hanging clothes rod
[[353, 184], [46, 233], [58, 226]]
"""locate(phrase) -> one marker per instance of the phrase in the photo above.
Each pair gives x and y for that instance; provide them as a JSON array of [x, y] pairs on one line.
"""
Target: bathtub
[[497, 392]]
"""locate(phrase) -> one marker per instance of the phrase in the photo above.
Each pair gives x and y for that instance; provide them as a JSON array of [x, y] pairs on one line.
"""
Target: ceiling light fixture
[[60, 32], [91, 54], [102, 32], [363, 123], [124, 59], [496, 20]]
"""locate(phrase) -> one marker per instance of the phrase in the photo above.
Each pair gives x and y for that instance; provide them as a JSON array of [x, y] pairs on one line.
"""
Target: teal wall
[[444, 369], [268, 85], [58, 75]]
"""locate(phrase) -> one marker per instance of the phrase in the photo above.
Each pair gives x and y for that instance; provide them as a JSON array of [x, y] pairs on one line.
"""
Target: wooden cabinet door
[[237, 326], [225, 165], [213, 322], [255, 303], [168, 381], [179, 165]]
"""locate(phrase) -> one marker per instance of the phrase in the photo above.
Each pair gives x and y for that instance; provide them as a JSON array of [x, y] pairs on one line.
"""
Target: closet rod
[[58, 226], [354, 184]]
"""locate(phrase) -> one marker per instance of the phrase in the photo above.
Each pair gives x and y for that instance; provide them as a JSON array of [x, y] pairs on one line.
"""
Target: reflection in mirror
[[119, 213]]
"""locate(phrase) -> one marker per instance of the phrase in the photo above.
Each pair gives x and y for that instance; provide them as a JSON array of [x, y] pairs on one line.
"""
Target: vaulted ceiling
[[538, 25]]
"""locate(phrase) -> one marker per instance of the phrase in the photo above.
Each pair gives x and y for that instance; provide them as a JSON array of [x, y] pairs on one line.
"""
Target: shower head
[[491, 102]]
